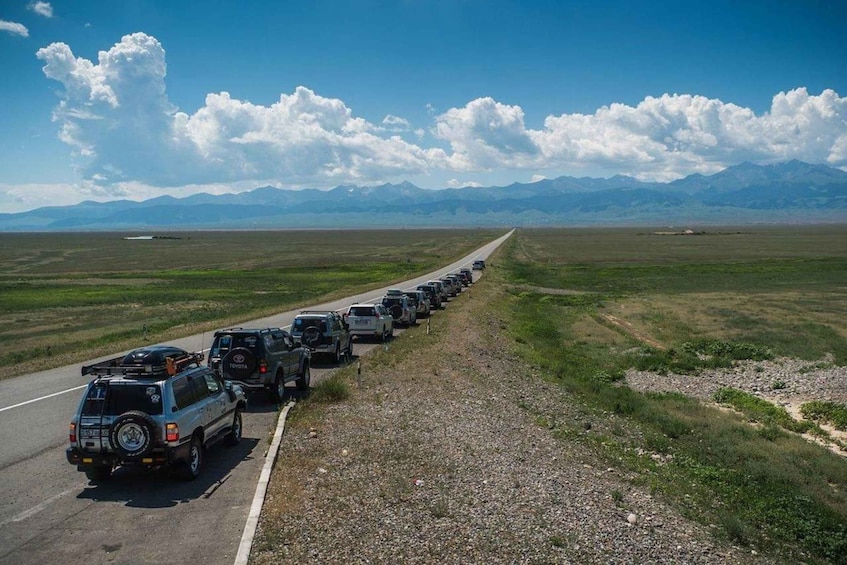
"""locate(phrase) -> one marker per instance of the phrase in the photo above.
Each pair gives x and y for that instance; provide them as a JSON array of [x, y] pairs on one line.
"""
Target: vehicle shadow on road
[[162, 488]]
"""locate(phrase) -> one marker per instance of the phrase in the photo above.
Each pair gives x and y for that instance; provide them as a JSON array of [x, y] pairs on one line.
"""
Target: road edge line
[[249, 533]]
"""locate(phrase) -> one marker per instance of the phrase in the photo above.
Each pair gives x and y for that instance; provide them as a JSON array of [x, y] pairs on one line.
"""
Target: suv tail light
[[72, 433], [171, 432], [263, 366]]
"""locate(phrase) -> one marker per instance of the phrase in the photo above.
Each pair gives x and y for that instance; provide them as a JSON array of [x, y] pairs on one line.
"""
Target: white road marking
[[19, 404], [37, 508], [287, 328]]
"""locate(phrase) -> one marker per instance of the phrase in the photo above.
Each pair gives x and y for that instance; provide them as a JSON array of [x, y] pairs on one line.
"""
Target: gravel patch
[[786, 382], [448, 455]]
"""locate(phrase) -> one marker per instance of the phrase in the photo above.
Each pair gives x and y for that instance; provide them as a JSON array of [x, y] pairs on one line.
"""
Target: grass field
[[69, 297], [688, 302]]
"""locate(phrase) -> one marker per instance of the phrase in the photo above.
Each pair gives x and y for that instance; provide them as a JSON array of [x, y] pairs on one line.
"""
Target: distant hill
[[791, 192]]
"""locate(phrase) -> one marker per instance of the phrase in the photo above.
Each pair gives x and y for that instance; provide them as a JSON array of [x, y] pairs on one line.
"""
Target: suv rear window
[[362, 311], [303, 323], [228, 342], [113, 399]]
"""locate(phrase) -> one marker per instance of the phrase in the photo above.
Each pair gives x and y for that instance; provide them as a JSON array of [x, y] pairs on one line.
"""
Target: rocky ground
[[785, 382], [446, 453]]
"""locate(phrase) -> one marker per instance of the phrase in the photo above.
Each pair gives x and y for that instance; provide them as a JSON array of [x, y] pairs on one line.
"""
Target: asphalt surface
[[50, 513]]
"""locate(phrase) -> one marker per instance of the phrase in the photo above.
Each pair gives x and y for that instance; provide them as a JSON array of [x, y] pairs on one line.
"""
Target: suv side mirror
[[229, 390]]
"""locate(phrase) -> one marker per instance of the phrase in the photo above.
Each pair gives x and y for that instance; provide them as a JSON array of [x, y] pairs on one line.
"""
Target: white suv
[[370, 320]]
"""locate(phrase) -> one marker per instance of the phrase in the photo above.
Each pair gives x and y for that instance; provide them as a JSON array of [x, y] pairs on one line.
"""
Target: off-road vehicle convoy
[[155, 407], [261, 358], [158, 406], [323, 331]]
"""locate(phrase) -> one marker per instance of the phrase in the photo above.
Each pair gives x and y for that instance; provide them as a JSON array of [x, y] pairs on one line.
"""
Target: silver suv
[[323, 331], [263, 358], [155, 407], [400, 307]]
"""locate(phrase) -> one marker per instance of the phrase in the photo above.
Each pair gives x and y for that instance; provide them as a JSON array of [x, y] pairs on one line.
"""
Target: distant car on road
[[433, 294], [323, 331], [261, 358], [400, 308], [370, 320], [420, 302], [478, 265]]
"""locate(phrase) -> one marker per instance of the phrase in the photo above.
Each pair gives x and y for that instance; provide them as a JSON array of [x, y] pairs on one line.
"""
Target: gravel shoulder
[[447, 453]]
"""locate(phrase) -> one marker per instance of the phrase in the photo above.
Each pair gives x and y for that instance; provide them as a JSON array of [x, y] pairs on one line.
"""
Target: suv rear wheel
[[304, 378], [96, 474], [234, 435], [277, 390], [194, 464]]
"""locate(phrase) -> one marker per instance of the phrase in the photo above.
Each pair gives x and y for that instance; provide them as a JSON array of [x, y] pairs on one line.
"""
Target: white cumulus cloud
[[14, 28], [660, 138], [456, 183], [125, 132], [117, 115], [42, 9]]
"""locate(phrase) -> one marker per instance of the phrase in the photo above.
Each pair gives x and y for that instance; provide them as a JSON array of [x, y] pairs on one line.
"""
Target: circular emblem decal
[[239, 358]]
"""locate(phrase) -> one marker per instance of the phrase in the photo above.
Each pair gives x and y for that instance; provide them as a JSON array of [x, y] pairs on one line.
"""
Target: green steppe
[[690, 302], [70, 297]]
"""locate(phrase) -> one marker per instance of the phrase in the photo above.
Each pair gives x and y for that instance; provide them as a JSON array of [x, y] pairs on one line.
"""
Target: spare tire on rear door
[[312, 336], [396, 311], [132, 434], [238, 364]]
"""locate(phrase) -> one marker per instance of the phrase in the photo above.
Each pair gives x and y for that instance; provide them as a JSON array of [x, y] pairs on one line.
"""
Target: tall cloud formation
[[117, 116]]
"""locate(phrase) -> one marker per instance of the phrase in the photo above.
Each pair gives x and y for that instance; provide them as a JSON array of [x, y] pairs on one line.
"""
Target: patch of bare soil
[[629, 329], [453, 451]]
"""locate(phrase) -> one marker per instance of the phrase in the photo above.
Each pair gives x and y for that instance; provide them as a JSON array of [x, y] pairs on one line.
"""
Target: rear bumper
[[157, 458], [366, 332]]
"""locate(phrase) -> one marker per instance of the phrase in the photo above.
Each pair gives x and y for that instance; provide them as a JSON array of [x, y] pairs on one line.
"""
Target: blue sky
[[134, 99]]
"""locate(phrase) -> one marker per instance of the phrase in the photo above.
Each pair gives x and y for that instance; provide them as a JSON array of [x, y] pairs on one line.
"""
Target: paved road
[[49, 512]]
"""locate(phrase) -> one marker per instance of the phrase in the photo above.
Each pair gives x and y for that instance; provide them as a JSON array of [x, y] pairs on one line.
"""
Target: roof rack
[[172, 365], [317, 311]]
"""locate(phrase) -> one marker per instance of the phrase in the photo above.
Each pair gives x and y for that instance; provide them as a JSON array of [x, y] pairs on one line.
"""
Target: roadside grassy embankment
[[70, 297], [510, 434], [709, 300]]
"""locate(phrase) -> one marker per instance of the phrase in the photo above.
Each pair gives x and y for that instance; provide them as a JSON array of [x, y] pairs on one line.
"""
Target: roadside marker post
[[359, 373], [428, 324]]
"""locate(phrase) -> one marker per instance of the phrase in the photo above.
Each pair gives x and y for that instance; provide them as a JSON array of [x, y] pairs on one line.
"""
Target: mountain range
[[790, 192]]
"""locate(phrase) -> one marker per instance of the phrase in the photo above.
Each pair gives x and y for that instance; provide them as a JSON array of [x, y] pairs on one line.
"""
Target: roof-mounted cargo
[[156, 361]]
